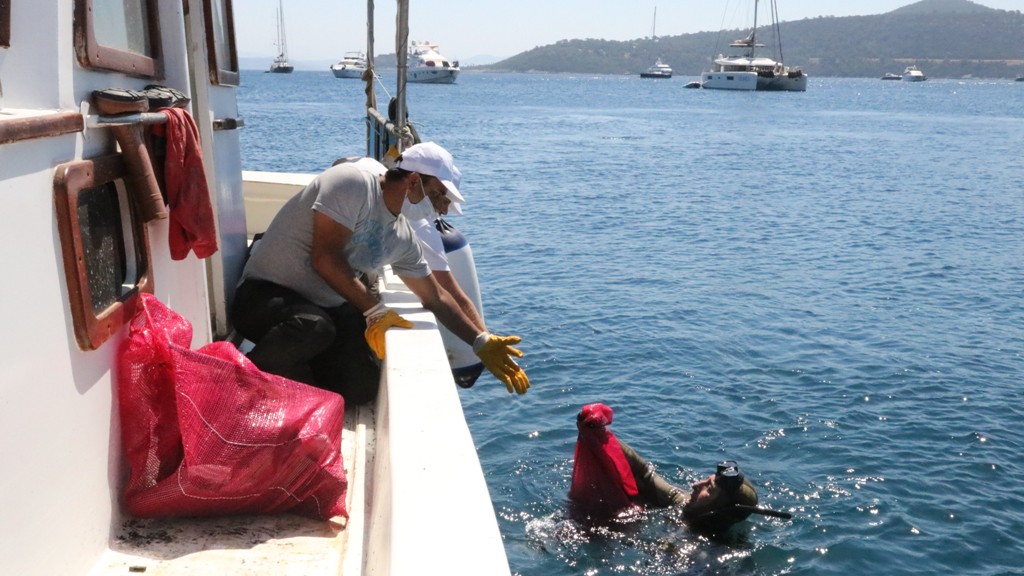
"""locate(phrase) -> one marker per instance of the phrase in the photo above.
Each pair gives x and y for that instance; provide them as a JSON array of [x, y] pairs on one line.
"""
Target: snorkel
[[736, 501]]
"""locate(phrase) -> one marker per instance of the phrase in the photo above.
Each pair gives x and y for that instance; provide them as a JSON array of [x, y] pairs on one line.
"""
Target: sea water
[[825, 286]]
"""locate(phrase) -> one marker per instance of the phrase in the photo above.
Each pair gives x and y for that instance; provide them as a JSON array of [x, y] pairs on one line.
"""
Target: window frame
[[92, 54], [5, 23], [221, 76], [93, 328]]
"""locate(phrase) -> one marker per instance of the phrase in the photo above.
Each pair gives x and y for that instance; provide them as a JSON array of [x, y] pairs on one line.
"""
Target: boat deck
[[396, 474], [256, 545]]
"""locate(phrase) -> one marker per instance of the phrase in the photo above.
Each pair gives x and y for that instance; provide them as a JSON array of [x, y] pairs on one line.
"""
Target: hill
[[947, 38]]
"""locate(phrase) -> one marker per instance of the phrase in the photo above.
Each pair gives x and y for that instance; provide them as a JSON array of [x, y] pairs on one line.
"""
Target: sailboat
[[750, 72], [659, 69], [281, 65]]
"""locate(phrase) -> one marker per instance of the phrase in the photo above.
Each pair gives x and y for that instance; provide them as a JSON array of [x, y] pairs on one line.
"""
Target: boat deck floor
[[283, 544]]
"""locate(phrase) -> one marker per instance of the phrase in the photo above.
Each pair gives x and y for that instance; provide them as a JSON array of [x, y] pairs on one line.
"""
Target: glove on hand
[[378, 320], [496, 353]]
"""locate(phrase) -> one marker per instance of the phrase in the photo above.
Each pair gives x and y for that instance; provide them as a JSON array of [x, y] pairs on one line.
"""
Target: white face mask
[[420, 210]]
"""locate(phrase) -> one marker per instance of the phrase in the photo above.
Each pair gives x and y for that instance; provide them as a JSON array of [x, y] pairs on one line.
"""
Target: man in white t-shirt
[[300, 299], [422, 216]]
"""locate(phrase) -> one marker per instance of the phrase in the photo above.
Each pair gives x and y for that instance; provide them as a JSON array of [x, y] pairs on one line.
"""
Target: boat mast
[[402, 54], [753, 33], [281, 40], [654, 23], [371, 69]]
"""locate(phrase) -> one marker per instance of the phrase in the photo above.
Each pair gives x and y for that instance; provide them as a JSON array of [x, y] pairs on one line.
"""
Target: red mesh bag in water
[[207, 433], [602, 482]]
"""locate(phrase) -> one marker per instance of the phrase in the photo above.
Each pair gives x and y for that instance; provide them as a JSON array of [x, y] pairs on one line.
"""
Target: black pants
[[299, 340]]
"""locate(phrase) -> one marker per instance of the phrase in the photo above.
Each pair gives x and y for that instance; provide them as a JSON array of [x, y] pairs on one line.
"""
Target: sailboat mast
[[654, 23], [753, 33], [282, 41]]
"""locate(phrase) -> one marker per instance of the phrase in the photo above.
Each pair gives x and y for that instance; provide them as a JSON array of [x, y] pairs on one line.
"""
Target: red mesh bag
[[207, 433], [602, 482]]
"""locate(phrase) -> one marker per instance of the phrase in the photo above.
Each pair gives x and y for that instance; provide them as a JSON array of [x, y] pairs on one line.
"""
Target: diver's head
[[721, 500]]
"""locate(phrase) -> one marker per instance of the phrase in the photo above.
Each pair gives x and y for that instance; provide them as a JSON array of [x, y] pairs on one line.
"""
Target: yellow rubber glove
[[378, 320], [496, 353]]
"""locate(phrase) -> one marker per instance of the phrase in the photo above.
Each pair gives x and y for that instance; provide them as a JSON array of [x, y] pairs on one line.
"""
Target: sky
[[467, 29]]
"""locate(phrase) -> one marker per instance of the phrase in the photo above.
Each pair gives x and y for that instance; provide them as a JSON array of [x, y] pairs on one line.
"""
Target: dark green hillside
[[946, 38]]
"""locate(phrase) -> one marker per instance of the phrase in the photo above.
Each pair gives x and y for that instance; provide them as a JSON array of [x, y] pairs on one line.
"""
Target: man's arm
[[328, 259], [444, 306], [652, 486], [496, 352], [447, 281]]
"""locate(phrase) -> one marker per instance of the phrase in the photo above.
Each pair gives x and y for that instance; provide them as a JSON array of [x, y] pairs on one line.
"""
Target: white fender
[[466, 366]]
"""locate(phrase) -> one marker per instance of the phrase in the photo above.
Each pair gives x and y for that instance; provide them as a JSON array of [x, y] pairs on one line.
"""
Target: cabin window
[[220, 42], [119, 35], [5, 23], [105, 247]]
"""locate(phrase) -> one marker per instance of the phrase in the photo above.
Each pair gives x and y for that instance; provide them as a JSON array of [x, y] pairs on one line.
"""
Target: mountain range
[[947, 38]]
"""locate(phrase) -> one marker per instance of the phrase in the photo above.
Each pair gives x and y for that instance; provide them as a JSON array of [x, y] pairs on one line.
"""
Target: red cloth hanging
[[602, 482], [192, 225]]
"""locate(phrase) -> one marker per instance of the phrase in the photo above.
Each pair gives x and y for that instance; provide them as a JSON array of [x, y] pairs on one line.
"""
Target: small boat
[[912, 74], [1020, 78], [428, 66], [751, 72], [891, 76], [657, 70], [351, 65], [281, 64]]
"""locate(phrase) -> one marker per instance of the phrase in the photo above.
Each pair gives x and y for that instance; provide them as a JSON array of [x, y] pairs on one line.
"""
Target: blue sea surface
[[825, 286]]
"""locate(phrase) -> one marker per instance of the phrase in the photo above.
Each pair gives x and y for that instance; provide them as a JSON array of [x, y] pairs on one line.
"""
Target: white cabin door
[[215, 78]]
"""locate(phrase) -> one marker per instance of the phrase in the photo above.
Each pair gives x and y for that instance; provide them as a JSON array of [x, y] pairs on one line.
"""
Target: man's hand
[[378, 320], [496, 353]]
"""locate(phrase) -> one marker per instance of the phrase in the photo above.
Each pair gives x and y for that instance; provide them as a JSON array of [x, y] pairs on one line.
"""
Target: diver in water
[[610, 478]]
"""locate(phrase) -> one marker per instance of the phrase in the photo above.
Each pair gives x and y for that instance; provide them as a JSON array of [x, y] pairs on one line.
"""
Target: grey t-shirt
[[354, 199]]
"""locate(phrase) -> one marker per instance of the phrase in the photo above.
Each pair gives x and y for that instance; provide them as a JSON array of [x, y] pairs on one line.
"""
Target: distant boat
[[659, 69], [1020, 78], [750, 72], [891, 76], [912, 74], [281, 64], [351, 65], [428, 66]]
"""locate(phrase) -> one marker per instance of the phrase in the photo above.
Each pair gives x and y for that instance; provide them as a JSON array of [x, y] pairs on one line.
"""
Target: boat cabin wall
[[61, 441]]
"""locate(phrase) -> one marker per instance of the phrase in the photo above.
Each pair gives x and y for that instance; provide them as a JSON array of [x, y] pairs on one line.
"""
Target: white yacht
[[81, 203], [351, 65], [657, 70], [428, 66], [913, 74], [747, 71]]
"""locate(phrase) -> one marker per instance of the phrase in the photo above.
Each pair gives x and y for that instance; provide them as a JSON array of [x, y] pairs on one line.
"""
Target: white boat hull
[[730, 81], [432, 75], [754, 81], [348, 72], [418, 499]]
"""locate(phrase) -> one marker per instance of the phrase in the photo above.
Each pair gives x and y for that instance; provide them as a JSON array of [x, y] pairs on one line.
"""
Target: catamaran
[[82, 193], [748, 71]]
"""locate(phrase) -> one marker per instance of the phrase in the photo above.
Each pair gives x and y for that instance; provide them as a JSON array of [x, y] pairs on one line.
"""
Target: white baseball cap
[[430, 159]]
